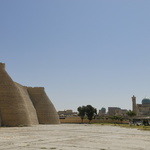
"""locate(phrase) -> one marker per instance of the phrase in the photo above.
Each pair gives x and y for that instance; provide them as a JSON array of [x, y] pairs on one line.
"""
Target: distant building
[[102, 111], [66, 113], [116, 111], [113, 111], [142, 109]]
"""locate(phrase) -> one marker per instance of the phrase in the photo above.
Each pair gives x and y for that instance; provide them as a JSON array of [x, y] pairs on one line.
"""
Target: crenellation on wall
[[35, 87]]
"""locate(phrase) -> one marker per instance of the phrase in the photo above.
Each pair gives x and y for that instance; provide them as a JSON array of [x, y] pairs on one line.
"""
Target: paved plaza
[[73, 137]]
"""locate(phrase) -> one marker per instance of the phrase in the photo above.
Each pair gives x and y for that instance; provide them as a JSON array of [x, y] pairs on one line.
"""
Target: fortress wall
[[28, 104], [2, 65], [13, 107], [46, 111]]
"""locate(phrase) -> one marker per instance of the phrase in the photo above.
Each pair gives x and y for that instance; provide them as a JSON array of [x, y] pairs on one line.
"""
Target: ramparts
[[23, 106], [46, 112]]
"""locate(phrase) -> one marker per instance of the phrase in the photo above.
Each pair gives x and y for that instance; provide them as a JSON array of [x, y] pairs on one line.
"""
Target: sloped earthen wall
[[28, 103], [46, 111], [17, 108], [14, 102]]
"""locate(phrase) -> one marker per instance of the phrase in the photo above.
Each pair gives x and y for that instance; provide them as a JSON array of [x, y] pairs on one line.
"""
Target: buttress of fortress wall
[[46, 111], [13, 107], [28, 104]]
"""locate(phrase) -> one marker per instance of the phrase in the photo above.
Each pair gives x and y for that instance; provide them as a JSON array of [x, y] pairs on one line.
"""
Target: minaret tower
[[134, 104]]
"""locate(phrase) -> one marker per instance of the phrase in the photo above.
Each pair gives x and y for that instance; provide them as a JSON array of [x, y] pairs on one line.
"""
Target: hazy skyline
[[83, 52]]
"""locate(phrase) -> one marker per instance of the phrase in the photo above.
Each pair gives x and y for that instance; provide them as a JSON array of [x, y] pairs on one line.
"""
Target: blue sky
[[83, 52]]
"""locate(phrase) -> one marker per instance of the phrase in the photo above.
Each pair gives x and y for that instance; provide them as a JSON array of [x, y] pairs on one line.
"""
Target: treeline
[[90, 112]]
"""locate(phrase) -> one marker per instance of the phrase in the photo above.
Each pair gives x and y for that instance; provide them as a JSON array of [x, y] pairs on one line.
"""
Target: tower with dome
[[142, 109]]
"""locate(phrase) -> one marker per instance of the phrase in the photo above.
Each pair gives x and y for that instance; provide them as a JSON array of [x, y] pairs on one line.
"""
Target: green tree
[[131, 114], [120, 118], [90, 112], [113, 118], [82, 112], [116, 118]]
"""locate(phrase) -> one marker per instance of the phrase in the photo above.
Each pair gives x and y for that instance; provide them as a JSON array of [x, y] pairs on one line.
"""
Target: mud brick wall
[[13, 105], [29, 105], [46, 111], [16, 106]]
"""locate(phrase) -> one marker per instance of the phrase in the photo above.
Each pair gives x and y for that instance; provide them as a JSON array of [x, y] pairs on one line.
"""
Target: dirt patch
[[73, 137]]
